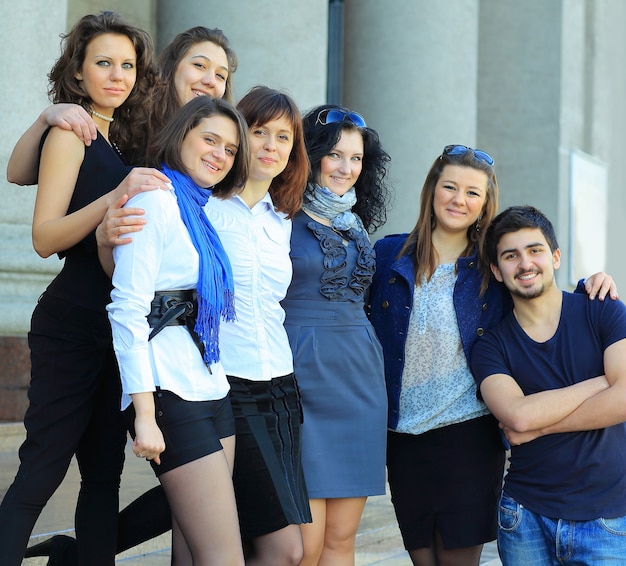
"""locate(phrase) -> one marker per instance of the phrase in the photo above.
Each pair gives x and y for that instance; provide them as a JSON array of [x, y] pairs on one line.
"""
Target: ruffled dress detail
[[337, 282]]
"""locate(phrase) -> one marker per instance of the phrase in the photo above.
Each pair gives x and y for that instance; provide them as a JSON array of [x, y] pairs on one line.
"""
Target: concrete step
[[378, 540]]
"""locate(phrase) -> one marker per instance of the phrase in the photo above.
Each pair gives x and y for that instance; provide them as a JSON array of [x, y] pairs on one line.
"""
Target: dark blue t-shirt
[[574, 475]]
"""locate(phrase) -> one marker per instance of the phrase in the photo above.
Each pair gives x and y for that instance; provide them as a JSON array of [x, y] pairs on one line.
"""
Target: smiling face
[[203, 71], [208, 150], [109, 71], [526, 265], [340, 169], [270, 148], [459, 198]]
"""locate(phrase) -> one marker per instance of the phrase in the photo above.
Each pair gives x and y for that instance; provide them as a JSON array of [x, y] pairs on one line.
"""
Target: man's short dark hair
[[516, 218]]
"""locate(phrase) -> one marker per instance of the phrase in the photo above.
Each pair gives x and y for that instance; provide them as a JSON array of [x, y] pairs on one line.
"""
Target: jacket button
[[471, 264], [392, 280], [385, 304], [480, 332], [484, 306]]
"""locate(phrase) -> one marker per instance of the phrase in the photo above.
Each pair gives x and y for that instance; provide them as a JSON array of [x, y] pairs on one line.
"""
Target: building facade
[[538, 84]]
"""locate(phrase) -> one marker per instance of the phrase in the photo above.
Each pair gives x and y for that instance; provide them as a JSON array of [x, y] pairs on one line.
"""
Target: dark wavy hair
[[261, 105], [373, 190], [165, 147], [165, 98], [420, 239], [128, 129]]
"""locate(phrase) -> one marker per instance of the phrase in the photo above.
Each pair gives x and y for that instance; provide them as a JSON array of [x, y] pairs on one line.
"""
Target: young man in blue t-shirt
[[554, 374]]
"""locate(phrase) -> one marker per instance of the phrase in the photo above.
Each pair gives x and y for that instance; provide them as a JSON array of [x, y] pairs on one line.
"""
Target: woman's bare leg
[[202, 500], [313, 533], [343, 516]]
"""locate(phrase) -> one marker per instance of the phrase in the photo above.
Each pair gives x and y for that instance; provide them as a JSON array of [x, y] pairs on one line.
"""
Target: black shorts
[[191, 429], [448, 481]]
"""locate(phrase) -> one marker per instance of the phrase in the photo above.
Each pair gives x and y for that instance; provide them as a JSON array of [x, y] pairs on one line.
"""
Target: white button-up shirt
[[160, 257], [256, 240]]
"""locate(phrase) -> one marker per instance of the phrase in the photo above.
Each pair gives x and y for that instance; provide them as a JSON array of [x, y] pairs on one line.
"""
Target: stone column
[[519, 103], [410, 68], [609, 124], [548, 86], [29, 36], [281, 43]]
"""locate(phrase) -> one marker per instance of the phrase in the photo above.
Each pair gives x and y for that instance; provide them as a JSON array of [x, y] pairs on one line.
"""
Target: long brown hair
[[420, 241], [128, 129], [165, 98], [262, 105]]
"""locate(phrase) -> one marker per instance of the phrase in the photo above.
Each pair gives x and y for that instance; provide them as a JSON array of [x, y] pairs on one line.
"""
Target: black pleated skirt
[[268, 476]]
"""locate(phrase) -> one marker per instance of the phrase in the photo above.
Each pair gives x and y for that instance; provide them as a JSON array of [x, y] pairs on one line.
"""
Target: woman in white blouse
[[255, 228], [181, 418]]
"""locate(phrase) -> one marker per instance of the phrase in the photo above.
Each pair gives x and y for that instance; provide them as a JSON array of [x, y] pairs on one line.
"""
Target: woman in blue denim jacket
[[445, 458], [392, 300], [431, 298]]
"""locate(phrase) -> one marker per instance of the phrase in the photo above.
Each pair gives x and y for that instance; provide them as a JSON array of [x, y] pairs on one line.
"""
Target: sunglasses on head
[[463, 149], [333, 115]]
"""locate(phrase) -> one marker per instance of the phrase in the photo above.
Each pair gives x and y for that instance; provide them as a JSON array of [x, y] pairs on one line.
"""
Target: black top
[[82, 280]]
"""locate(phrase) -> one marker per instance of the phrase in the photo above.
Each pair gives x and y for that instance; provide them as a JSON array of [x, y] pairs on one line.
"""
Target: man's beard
[[531, 293], [528, 293]]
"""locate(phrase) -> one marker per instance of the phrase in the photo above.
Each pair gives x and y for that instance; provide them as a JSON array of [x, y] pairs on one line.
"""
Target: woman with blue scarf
[[337, 358], [172, 287]]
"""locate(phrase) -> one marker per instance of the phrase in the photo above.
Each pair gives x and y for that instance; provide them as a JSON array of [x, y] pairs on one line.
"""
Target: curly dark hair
[[373, 190], [128, 130], [165, 99], [261, 105]]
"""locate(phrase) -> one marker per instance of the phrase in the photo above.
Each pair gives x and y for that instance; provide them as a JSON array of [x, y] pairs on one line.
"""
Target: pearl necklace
[[101, 116]]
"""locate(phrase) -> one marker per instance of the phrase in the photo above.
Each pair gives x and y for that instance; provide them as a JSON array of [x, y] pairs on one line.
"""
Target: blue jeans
[[526, 538]]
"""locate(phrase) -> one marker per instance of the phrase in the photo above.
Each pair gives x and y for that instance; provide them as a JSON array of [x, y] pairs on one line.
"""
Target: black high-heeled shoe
[[60, 548]]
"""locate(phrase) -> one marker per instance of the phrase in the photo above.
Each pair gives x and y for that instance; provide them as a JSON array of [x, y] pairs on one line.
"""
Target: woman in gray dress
[[337, 358]]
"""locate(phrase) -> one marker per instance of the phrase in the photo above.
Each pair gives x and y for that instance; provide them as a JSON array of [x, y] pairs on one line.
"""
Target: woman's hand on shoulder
[[118, 222], [23, 164], [600, 285], [139, 180], [71, 117]]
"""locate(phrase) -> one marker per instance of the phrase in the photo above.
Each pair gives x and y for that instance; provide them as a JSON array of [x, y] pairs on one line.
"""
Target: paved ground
[[378, 540]]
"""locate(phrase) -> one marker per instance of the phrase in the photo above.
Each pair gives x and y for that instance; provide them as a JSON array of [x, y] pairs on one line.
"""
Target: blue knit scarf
[[215, 279]]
